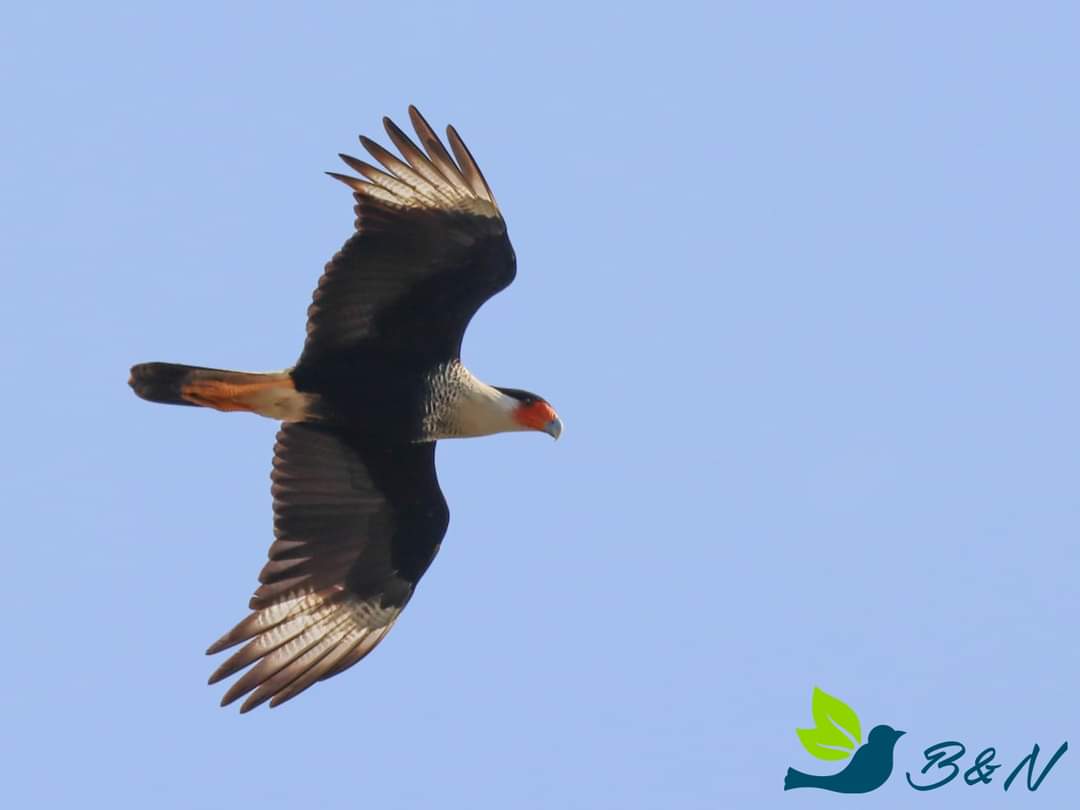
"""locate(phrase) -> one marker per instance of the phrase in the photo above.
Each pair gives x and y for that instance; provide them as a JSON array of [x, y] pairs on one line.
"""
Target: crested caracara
[[358, 513]]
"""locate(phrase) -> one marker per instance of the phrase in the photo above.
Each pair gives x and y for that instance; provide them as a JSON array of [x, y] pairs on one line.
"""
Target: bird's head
[[884, 736], [531, 412]]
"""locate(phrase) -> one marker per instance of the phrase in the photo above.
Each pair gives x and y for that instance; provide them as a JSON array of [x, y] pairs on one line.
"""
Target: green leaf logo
[[837, 732]]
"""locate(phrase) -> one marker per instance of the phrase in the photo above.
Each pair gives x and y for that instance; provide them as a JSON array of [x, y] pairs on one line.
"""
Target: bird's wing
[[430, 247], [356, 524]]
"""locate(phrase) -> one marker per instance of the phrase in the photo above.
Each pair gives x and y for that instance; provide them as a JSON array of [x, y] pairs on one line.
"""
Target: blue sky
[[801, 280]]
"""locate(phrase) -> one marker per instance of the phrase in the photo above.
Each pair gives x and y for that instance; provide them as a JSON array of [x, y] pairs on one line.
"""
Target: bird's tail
[[270, 394], [796, 779]]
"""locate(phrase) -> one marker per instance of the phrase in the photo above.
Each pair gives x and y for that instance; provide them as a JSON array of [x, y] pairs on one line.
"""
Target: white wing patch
[[430, 180], [302, 638]]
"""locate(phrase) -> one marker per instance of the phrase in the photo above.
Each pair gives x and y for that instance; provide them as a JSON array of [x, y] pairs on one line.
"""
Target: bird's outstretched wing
[[356, 525], [430, 248]]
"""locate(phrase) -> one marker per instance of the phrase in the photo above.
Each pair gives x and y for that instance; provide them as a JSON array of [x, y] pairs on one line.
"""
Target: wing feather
[[469, 166], [420, 162], [356, 524], [430, 249], [424, 193], [439, 156]]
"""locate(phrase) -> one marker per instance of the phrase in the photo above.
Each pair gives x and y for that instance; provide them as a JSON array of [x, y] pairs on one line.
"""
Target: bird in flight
[[358, 513]]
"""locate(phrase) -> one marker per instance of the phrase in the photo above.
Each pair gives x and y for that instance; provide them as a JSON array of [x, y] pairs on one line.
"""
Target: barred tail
[[271, 394]]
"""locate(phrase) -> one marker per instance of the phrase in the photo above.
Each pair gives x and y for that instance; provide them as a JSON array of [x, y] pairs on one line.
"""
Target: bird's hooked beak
[[553, 428], [539, 415]]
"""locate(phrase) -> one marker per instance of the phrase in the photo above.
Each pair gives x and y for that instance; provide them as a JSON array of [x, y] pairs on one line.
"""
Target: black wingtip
[[418, 121], [355, 164], [352, 182]]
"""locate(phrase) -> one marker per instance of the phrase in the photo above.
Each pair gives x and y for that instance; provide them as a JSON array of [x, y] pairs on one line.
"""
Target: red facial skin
[[535, 416]]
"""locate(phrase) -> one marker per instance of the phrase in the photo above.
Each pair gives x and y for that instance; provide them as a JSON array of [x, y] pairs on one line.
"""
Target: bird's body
[[870, 767], [358, 510]]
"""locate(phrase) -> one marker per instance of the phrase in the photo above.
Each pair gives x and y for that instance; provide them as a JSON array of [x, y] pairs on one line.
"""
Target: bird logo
[[835, 735]]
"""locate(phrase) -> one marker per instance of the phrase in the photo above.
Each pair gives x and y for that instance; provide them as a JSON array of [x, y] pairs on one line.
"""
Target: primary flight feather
[[358, 513]]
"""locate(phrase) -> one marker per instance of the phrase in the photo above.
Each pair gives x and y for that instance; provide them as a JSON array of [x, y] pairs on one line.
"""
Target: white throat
[[463, 406]]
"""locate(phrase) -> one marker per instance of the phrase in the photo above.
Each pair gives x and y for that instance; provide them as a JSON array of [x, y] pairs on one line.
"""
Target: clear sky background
[[801, 279]]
